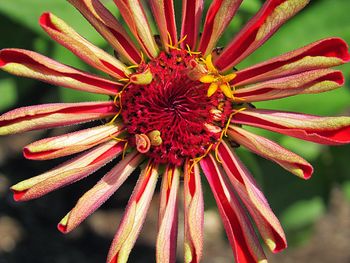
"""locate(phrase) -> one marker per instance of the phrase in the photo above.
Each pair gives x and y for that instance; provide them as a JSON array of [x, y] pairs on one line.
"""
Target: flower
[[177, 108]]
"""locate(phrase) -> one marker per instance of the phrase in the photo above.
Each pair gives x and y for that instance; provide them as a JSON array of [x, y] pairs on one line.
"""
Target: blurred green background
[[309, 210]]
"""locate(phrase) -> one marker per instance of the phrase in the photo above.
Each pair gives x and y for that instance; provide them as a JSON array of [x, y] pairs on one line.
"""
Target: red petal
[[163, 11], [253, 198], [46, 116], [258, 30], [92, 55], [191, 21], [33, 65], [271, 150], [107, 25], [218, 17], [239, 230], [135, 17], [310, 82], [323, 130], [324, 53]]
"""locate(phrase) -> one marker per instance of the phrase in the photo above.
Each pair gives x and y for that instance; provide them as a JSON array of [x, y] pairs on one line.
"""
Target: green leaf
[[27, 14], [346, 190], [8, 93], [302, 213], [70, 95]]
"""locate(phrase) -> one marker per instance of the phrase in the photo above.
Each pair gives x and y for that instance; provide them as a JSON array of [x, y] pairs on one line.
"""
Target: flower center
[[173, 118]]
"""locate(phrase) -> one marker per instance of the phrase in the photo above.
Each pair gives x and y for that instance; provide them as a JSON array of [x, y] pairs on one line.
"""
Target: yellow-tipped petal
[[209, 63], [229, 77], [226, 89], [212, 89], [207, 79], [270, 243], [62, 225], [187, 253]]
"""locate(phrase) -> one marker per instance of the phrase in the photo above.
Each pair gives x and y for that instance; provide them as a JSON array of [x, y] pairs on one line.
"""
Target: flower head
[[177, 109]]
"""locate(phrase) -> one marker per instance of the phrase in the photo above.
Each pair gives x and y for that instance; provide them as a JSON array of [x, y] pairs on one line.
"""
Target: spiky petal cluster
[[177, 108]]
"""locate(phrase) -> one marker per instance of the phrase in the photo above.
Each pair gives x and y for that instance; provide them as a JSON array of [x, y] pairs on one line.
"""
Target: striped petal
[[47, 116], [218, 17], [323, 130], [70, 143], [254, 200], [309, 82], [271, 150], [29, 64], [325, 53], [100, 193], [92, 55], [134, 216], [193, 214], [135, 16], [106, 24], [239, 230], [267, 21], [168, 216], [191, 20], [164, 14], [68, 172]]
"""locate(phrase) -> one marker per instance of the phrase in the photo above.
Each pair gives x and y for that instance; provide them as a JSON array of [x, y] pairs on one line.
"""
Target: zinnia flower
[[177, 108]]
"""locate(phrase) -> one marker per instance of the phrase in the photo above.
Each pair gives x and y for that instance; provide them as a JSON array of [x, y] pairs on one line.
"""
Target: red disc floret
[[173, 104]]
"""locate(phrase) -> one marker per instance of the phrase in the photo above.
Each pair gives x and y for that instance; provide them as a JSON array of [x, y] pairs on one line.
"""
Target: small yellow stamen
[[198, 159], [133, 66], [118, 97], [170, 40], [224, 132], [170, 178], [170, 44], [121, 140], [189, 51], [182, 40]]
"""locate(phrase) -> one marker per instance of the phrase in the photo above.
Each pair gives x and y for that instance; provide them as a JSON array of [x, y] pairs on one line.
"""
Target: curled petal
[[134, 15], [324, 53], [193, 214], [100, 193], [164, 14], [71, 143], [239, 230], [53, 115], [218, 17], [267, 21], [143, 143], [89, 53], [271, 150], [29, 64], [68, 172], [253, 198], [168, 215], [106, 24], [309, 82], [134, 216], [191, 20], [323, 130]]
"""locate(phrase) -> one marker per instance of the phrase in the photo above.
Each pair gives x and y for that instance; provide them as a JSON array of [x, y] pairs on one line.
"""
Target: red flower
[[176, 105]]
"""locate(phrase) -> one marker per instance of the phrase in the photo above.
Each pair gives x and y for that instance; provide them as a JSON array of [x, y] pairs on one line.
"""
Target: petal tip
[[62, 226], [18, 194]]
